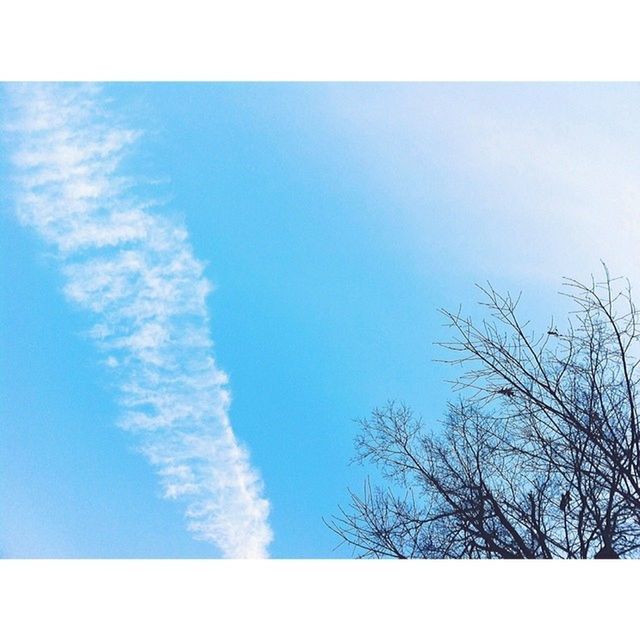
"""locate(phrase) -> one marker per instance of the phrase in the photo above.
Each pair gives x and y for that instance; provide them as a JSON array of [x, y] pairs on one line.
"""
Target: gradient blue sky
[[334, 219]]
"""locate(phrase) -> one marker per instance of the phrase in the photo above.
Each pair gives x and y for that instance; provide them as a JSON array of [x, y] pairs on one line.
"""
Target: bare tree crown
[[540, 456]]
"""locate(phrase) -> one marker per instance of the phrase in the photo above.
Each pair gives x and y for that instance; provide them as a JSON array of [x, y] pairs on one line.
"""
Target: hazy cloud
[[530, 180]]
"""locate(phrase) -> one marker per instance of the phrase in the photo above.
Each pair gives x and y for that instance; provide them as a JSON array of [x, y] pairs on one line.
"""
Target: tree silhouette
[[539, 457]]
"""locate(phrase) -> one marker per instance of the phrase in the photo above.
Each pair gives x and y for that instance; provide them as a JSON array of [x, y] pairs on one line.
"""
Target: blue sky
[[333, 221]]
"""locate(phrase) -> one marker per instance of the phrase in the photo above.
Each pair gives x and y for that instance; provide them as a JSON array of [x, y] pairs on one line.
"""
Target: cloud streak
[[135, 272]]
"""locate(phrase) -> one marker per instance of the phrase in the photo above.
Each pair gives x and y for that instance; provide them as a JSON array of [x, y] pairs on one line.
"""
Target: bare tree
[[540, 456]]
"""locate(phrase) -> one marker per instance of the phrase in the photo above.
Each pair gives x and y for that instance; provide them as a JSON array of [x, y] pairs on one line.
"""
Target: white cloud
[[136, 273], [534, 181]]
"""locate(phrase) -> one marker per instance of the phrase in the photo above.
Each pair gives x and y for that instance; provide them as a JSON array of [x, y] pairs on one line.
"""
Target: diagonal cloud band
[[135, 272]]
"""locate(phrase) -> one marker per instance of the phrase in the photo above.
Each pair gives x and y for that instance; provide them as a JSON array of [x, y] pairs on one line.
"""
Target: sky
[[203, 286]]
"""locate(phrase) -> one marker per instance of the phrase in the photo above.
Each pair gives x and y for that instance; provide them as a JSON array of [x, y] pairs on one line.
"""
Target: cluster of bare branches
[[540, 457]]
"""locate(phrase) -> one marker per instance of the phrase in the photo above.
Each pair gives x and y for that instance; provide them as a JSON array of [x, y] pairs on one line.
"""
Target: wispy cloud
[[135, 272]]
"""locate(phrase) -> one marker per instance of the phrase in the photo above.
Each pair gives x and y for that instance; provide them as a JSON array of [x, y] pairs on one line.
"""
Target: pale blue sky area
[[334, 220]]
